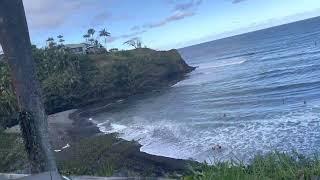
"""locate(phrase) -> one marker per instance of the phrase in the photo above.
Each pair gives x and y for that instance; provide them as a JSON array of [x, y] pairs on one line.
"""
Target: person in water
[[216, 147]]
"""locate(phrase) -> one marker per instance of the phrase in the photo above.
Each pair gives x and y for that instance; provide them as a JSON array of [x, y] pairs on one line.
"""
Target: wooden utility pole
[[15, 41]]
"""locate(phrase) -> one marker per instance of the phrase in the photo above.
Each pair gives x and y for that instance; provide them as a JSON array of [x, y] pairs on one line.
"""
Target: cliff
[[72, 81]]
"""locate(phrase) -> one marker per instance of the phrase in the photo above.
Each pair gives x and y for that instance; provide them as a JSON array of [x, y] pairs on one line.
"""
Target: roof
[[82, 45]]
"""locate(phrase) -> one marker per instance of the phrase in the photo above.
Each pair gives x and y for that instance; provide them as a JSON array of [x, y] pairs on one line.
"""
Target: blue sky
[[161, 24]]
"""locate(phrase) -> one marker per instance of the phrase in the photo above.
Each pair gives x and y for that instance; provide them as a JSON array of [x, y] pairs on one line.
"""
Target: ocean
[[251, 94]]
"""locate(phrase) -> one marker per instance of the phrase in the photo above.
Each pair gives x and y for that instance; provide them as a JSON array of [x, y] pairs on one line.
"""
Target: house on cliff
[[84, 48], [77, 48]]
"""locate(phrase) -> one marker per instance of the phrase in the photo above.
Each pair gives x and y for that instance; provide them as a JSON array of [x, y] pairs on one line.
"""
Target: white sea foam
[[220, 64], [117, 127], [241, 139], [107, 127], [203, 73]]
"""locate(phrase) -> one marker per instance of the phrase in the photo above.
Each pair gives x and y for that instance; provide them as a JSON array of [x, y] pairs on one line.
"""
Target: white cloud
[[187, 5], [47, 14], [175, 17], [237, 1], [126, 36], [181, 10]]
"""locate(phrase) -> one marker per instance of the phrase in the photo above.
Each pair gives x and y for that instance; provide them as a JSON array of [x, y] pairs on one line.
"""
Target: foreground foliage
[[12, 154], [275, 165], [7, 97]]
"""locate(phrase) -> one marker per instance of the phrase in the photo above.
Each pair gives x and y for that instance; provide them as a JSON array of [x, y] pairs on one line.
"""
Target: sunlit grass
[[274, 165]]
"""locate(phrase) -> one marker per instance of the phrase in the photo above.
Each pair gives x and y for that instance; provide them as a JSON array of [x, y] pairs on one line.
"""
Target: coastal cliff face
[[72, 81], [114, 75]]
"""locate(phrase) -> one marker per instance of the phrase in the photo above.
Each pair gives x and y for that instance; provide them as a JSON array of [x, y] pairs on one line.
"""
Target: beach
[[70, 129]]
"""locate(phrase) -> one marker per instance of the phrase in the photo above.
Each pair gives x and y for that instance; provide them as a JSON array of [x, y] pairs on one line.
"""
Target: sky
[[160, 24]]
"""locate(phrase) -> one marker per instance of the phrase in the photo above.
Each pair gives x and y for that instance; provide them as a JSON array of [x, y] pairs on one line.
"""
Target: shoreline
[[71, 128]]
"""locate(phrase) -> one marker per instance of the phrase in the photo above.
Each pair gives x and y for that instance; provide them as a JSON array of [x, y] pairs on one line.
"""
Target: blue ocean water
[[250, 94]]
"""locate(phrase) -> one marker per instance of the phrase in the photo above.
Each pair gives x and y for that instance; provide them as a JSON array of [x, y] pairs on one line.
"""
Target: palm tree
[[49, 41], [104, 33], [86, 37], [61, 40], [91, 32], [15, 41]]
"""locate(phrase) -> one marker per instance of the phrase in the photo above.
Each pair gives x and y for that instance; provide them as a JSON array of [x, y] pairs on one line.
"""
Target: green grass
[[88, 157], [275, 165], [12, 154]]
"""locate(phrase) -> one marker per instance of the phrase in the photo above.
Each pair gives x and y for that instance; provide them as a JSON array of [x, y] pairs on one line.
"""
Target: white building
[[78, 48], [84, 48]]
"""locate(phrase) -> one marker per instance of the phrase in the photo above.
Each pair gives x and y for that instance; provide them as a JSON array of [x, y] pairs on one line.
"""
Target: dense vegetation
[[7, 98], [69, 81]]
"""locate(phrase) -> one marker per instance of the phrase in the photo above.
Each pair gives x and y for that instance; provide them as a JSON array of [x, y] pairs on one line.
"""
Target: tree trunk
[[15, 41]]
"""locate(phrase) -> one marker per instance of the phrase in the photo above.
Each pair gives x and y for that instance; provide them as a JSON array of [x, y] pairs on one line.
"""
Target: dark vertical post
[[15, 41]]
